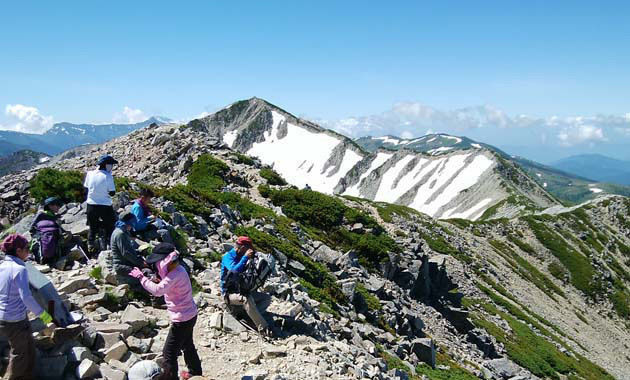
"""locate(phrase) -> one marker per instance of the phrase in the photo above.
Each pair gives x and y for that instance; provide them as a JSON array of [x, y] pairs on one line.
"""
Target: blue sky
[[84, 61]]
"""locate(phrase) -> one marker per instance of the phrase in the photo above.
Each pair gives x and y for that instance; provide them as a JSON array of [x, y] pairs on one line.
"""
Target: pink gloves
[[136, 273]]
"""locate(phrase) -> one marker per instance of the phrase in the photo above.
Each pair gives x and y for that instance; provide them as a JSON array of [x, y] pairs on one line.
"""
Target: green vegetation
[[522, 245], [180, 239], [64, 184], [96, 273], [325, 217], [272, 177], [525, 269], [557, 270], [580, 268], [621, 303], [243, 159], [208, 173], [388, 210], [533, 351], [371, 300], [454, 372]]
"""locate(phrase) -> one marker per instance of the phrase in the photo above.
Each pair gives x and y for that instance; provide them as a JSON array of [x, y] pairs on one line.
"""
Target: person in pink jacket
[[174, 285]]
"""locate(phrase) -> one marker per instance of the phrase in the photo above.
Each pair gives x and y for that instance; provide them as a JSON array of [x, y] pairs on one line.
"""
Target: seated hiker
[[147, 227], [233, 264], [174, 284], [15, 300], [124, 256], [52, 241]]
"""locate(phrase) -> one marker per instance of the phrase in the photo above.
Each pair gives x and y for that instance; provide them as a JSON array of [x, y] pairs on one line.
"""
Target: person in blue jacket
[[235, 260], [145, 225]]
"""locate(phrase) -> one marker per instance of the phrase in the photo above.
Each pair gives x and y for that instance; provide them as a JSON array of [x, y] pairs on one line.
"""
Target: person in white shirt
[[100, 189]]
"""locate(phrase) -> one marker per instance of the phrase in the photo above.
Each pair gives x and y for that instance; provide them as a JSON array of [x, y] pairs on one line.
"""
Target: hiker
[[307, 187], [124, 255], [148, 227], [100, 189], [15, 300], [235, 262], [174, 284], [50, 241]]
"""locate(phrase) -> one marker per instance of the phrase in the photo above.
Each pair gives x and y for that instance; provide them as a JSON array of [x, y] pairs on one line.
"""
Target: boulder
[[87, 369], [74, 284], [424, 348], [216, 320], [230, 324], [135, 317], [326, 254], [502, 368], [110, 327], [108, 373], [116, 352]]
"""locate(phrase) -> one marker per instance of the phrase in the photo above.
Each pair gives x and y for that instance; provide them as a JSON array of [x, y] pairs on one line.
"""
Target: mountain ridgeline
[[63, 136], [440, 175], [364, 288]]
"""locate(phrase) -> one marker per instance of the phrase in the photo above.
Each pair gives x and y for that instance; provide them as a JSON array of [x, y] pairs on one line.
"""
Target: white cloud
[[578, 134], [28, 119], [416, 119], [130, 116]]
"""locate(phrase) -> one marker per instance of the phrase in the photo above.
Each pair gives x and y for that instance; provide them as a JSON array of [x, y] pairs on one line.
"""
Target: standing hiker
[[100, 189], [15, 300], [174, 284]]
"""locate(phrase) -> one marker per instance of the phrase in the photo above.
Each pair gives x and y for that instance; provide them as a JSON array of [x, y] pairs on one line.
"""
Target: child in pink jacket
[[174, 285]]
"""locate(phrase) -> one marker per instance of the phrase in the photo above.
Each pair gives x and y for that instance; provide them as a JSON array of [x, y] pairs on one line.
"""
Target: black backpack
[[256, 272]]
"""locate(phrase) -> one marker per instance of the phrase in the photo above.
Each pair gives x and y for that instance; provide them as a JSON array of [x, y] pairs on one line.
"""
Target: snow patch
[[457, 139], [595, 190], [468, 213], [476, 146], [230, 137], [380, 159], [44, 159], [539, 175], [301, 155], [439, 150], [388, 140]]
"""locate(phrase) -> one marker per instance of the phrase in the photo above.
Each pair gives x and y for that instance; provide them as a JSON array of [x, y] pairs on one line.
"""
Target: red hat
[[14, 242], [244, 240]]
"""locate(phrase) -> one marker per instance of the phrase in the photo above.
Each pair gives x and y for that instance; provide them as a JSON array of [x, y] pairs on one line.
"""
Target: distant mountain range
[[63, 136], [596, 167]]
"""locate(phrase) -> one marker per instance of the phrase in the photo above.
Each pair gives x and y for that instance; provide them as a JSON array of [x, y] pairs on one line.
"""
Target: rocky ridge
[[438, 291]]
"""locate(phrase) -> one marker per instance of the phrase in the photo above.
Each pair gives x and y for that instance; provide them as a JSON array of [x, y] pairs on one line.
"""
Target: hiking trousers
[[22, 355], [251, 309], [99, 216], [180, 339]]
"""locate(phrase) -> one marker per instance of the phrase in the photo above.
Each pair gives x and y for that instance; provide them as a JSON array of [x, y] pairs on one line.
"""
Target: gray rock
[[296, 266], [255, 374], [424, 348], [109, 327], [135, 317], [116, 352], [230, 324], [87, 369], [503, 368], [79, 353], [74, 284], [326, 254], [216, 320], [113, 374]]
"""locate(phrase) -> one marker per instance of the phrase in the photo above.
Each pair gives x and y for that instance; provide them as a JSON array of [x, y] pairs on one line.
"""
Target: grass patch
[[371, 300], [97, 273]]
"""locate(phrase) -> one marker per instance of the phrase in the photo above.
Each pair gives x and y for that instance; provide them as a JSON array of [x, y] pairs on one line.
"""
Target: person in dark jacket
[[124, 256], [100, 188], [15, 300]]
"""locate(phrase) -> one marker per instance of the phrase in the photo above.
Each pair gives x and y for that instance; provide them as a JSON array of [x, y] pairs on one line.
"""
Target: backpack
[[48, 237], [256, 272]]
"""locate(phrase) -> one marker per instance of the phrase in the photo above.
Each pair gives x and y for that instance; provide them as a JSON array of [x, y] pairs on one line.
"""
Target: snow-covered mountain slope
[[440, 175]]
